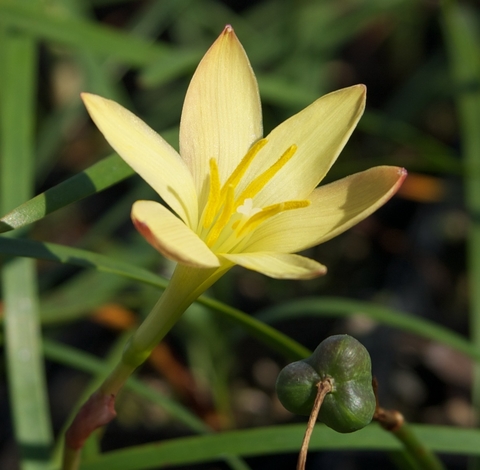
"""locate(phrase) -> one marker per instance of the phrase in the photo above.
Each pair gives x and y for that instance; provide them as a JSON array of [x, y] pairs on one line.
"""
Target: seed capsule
[[346, 363]]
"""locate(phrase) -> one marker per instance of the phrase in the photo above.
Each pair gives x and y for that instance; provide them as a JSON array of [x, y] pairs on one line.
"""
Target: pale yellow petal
[[147, 153], [320, 132], [170, 236], [221, 116], [334, 208], [278, 265]]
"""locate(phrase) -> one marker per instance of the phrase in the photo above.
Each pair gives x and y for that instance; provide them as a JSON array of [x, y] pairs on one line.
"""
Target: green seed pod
[[296, 387], [346, 363]]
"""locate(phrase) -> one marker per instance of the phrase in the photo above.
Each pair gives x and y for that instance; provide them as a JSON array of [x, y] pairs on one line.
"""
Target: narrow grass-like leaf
[[433, 154], [211, 352], [77, 257], [275, 440], [50, 136], [27, 385], [68, 300], [462, 40], [273, 338], [61, 254], [90, 364], [86, 362], [284, 93], [154, 18], [26, 378], [80, 34], [337, 306], [170, 67], [99, 176]]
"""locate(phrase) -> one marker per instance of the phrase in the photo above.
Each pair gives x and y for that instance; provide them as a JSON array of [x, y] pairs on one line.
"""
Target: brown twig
[[323, 388], [390, 420]]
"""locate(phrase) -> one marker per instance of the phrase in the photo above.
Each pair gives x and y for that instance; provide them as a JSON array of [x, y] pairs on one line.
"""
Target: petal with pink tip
[[221, 115], [334, 208], [170, 236]]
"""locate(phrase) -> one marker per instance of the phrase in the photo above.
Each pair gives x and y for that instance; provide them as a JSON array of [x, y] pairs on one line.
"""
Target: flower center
[[237, 212]]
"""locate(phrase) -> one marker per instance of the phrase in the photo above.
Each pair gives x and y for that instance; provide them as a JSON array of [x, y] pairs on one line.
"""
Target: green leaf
[[336, 306], [170, 67], [77, 257], [81, 34], [275, 440], [52, 252], [83, 361], [99, 176], [26, 376], [27, 384], [460, 26]]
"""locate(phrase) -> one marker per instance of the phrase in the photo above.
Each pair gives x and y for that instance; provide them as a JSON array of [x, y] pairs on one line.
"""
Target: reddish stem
[[98, 411]]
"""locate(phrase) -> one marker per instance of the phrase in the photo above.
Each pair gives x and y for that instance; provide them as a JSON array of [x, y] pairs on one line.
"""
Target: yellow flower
[[236, 197]]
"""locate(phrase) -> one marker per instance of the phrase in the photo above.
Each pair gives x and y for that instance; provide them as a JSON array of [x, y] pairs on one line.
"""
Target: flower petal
[[334, 208], [320, 132], [170, 236], [221, 115], [278, 265], [147, 153]]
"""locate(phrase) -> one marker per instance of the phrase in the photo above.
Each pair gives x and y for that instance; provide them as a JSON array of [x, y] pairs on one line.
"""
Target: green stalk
[[183, 289], [422, 455], [186, 285], [416, 454]]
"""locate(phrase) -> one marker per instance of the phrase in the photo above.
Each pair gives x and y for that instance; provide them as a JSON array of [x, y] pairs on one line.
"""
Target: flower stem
[[185, 286]]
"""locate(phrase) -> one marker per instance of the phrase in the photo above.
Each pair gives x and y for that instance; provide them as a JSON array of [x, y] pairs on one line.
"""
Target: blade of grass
[[100, 77], [94, 179], [154, 18], [170, 67], [26, 379], [211, 356], [461, 37], [80, 34], [269, 336], [277, 439], [99, 176], [50, 137], [75, 256], [337, 306], [100, 368]]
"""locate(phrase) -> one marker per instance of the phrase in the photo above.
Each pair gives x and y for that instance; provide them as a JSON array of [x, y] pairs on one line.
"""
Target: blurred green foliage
[[420, 62]]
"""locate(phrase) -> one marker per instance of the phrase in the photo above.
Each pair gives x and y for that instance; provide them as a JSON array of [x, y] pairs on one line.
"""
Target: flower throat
[[224, 207]]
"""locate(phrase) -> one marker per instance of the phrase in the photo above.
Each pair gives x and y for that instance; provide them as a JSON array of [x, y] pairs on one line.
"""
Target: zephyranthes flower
[[234, 196]]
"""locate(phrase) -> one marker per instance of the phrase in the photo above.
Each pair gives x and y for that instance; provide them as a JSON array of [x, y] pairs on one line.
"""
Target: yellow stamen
[[222, 204], [224, 217], [261, 180], [213, 196], [242, 167], [269, 211]]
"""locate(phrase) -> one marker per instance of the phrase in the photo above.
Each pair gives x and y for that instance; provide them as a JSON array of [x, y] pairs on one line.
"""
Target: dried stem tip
[[323, 388]]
